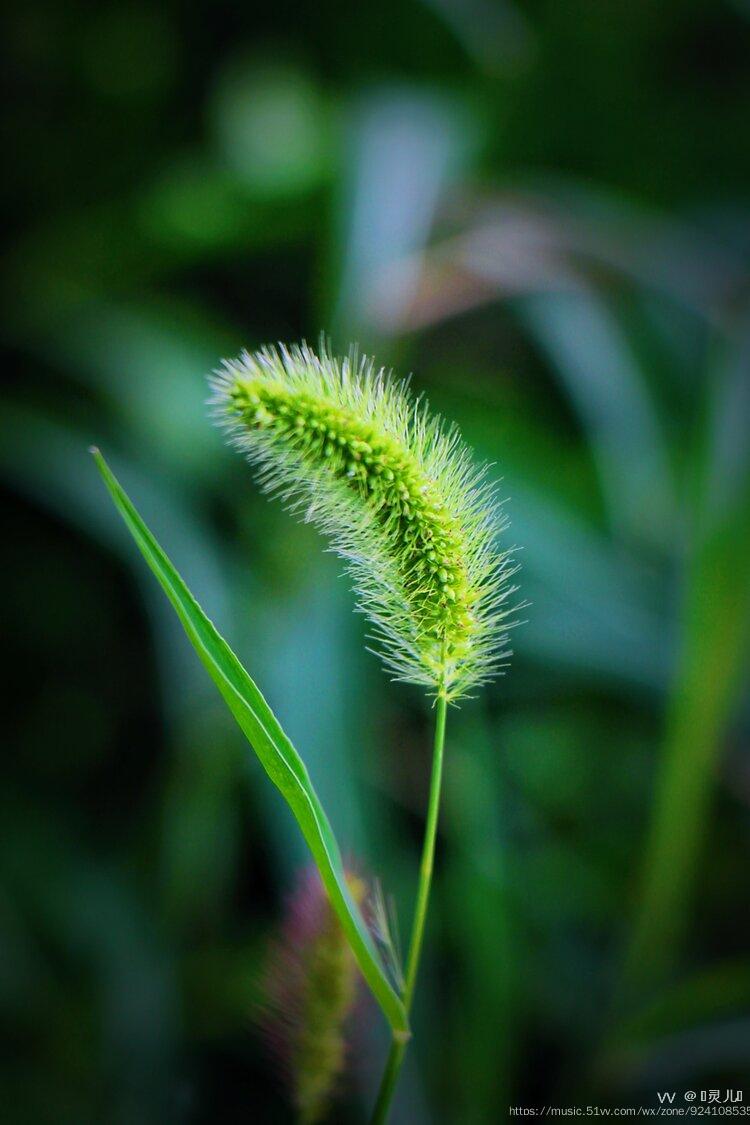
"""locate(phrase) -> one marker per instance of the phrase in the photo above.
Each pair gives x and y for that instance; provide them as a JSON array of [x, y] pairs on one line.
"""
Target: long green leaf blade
[[278, 757]]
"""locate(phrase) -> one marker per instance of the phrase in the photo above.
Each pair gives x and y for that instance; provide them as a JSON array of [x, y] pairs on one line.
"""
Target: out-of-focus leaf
[[593, 605], [274, 750], [559, 236], [45, 461], [717, 993], [714, 651], [591, 354], [149, 360], [407, 144]]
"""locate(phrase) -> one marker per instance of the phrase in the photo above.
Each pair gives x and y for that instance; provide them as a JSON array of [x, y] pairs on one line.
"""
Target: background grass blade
[[709, 680], [278, 757]]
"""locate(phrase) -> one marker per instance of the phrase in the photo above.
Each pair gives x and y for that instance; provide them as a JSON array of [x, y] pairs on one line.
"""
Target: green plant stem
[[398, 1046]]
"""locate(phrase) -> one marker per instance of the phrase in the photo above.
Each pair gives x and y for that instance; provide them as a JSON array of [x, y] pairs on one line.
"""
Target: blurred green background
[[542, 210]]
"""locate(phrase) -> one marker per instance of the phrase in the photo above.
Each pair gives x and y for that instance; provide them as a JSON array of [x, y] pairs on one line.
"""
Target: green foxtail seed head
[[396, 492]]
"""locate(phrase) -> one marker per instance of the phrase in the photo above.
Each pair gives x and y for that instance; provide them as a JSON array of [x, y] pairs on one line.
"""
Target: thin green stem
[[398, 1047], [388, 1082], [428, 854]]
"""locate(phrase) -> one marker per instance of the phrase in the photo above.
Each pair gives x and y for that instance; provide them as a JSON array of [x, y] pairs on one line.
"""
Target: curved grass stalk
[[400, 500]]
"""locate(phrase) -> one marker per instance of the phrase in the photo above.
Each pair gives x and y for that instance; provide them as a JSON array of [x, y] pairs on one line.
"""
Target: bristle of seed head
[[396, 492]]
